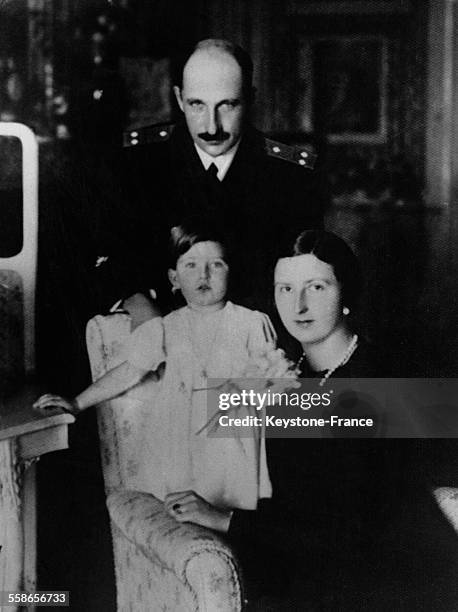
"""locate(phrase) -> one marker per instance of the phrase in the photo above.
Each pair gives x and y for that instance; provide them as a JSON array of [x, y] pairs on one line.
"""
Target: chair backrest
[[121, 420]]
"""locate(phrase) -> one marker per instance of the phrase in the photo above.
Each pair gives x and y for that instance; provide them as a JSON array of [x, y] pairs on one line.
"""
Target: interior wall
[[273, 38]]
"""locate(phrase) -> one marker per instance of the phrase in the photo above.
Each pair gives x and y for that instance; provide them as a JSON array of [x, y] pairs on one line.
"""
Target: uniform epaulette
[[292, 153], [148, 134]]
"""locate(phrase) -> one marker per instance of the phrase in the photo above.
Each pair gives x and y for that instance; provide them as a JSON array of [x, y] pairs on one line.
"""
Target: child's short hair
[[186, 235]]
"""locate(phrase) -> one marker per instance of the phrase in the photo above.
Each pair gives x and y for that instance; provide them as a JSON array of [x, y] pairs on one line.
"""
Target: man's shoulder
[[166, 147], [279, 154], [158, 133], [279, 173], [296, 155], [147, 147]]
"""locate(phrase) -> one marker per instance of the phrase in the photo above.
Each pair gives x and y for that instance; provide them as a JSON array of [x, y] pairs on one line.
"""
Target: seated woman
[[340, 532], [314, 520]]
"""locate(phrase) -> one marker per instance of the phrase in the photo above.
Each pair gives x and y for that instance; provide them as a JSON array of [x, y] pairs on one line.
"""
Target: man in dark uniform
[[214, 167]]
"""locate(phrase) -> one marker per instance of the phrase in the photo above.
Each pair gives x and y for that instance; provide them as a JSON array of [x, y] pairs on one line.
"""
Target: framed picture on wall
[[344, 82]]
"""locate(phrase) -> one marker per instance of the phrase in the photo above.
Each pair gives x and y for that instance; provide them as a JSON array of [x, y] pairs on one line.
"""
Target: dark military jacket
[[265, 197]]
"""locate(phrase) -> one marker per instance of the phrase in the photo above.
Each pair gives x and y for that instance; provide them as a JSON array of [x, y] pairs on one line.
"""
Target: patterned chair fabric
[[159, 563]]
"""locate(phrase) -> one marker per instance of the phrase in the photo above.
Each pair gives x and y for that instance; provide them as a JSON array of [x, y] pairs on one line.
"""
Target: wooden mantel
[[36, 434], [24, 436]]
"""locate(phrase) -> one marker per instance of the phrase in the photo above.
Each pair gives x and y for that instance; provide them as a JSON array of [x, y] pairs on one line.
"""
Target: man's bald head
[[215, 93], [215, 46]]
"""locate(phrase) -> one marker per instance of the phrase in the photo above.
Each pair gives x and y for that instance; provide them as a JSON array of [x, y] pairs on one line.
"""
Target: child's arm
[[144, 352], [116, 381]]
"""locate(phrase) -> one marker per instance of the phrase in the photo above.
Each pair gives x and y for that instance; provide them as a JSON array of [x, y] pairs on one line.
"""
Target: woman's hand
[[188, 507], [53, 404]]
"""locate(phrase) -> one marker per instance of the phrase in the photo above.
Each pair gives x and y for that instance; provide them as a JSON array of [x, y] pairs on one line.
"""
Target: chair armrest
[[196, 555]]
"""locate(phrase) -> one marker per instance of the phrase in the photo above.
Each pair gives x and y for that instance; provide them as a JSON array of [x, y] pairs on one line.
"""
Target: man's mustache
[[219, 136]]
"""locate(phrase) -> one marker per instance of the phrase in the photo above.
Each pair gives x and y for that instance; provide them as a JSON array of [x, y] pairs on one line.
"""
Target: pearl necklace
[[351, 348]]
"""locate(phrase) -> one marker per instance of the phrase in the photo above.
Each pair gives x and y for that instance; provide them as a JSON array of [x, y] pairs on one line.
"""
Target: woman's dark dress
[[351, 525]]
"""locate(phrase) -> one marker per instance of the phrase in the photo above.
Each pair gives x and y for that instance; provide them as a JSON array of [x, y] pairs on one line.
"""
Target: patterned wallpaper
[[374, 172]]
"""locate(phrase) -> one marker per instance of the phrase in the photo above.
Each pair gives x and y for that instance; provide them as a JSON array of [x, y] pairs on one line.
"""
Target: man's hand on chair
[[141, 309]]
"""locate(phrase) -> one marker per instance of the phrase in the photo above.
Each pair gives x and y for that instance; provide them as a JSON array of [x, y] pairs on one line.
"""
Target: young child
[[210, 337]]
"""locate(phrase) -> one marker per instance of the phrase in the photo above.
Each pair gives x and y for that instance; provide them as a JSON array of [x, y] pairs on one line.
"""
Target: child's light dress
[[177, 453]]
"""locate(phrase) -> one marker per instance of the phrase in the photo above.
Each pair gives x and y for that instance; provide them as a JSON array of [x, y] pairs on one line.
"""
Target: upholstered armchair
[[159, 563]]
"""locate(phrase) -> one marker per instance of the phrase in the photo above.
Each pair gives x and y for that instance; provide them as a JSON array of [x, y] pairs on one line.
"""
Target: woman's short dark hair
[[186, 235], [333, 250]]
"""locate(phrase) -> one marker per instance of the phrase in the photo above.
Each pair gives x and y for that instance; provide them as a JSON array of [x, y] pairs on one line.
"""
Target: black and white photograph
[[228, 328]]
